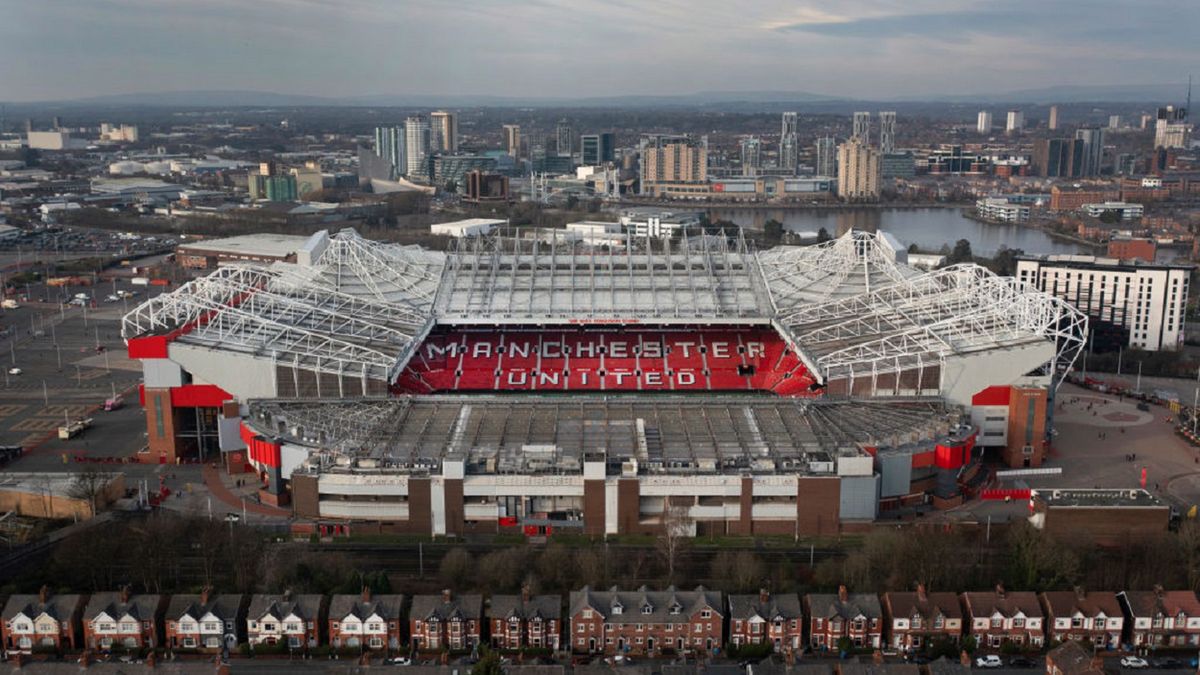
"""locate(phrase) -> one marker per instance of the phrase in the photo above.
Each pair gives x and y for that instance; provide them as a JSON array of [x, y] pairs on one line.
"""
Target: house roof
[[464, 607], [1167, 603], [1072, 659], [536, 606], [280, 606], [829, 605], [928, 605], [1091, 603], [1007, 604], [644, 605], [57, 606], [142, 607], [385, 606], [786, 605], [945, 666], [223, 606], [856, 667]]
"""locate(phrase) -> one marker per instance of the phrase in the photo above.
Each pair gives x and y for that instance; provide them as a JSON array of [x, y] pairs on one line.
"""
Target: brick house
[[766, 618], [294, 620], [1162, 618], [1071, 659], [525, 620], [856, 616], [445, 621], [123, 620], [915, 620], [999, 616], [1094, 617], [206, 622], [646, 622], [42, 621], [372, 622]]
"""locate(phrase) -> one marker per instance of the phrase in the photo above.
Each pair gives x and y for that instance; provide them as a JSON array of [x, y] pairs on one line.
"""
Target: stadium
[[541, 385]]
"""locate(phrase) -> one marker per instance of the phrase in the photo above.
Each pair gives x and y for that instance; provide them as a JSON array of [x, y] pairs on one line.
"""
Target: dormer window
[[675, 609], [617, 609], [706, 614], [647, 609]]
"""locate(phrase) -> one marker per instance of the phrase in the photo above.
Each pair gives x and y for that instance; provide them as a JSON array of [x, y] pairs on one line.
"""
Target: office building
[[1015, 122], [825, 155], [1053, 125], [751, 156], [563, 138], [452, 168], [596, 149], [1091, 151], [444, 131], [1171, 128], [858, 171], [1129, 304], [897, 165], [1124, 210], [273, 187], [862, 127], [887, 132], [512, 139], [983, 123], [416, 146], [486, 187], [673, 165], [1080, 157], [1001, 210], [389, 145]]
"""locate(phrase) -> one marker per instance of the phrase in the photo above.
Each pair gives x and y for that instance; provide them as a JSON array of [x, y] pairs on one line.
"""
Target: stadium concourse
[[520, 383]]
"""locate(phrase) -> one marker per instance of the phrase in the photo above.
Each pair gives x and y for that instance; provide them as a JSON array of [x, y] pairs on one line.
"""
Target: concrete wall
[[965, 376], [859, 499], [895, 474], [241, 375]]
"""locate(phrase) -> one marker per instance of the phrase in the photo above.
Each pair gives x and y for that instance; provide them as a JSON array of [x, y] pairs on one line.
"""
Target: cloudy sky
[[61, 49]]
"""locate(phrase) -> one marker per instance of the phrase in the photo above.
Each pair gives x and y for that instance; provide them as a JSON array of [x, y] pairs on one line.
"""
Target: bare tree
[[677, 530], [90, 486]]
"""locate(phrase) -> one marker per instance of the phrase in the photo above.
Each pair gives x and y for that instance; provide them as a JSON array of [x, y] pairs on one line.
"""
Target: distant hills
[[1141, 93]]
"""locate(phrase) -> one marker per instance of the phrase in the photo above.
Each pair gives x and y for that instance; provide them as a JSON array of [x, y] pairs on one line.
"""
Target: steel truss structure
[[847, 307]]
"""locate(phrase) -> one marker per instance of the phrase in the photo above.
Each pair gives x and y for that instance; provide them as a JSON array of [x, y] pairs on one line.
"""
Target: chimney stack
[[125, 594], [366, 594], [43, 594], [921, 592], [842, 594], [525, 593], [1158, 590], [204, 592], [1000, 590], [1080, 594], [763, 595], [446, 595]]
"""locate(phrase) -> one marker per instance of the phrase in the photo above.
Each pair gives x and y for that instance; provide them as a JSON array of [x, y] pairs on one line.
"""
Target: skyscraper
[[1091, 152], [596, 148], [389, 144], [791, 124], [858, 171], [751, 156], [1053, 117], [1114, 121], [563, 135], [1171, 128], [789, 142], [1016, 121], [512, 139], [862, 127], [887, 132], [983, 124], [444, 131], [826, 157], [416, 146]]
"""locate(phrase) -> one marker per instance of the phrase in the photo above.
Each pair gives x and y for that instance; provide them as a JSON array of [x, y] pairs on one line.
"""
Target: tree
[[675, 533], [773, 230], [913, 248], [823, 236], [456, 567], [488, 664], [1037, 562], [90, 485], [961, 253]]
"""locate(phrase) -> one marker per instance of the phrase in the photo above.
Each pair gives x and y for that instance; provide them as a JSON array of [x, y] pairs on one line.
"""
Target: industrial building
[[408, 387]]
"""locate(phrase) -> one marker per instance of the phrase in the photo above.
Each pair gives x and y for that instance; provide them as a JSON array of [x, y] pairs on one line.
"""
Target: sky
[[68, 49]]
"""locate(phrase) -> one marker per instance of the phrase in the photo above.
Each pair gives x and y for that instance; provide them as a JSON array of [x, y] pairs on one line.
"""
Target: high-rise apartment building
[[1015, 122], [444, 131], [1053, 125], [983, 123], [858, 171], [389, 144], [1171, 128], [887, 132], [416, 146], [512, 139], [825, 157], [564, 137], [1114, 122], [1091, 152], [751, 156], [673, 165], [789, 142], [596, 149], [790, 124], [862, 127]]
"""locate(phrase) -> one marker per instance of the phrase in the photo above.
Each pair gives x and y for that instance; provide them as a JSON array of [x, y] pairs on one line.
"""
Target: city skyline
[[302, 47]]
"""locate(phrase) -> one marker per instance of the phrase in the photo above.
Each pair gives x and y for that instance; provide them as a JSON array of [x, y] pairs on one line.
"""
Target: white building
[[470, 227], [983, 123], [48, 140], [1000, 209], [1127, 210], [1146, 301], [1015, 122], [654, 223]]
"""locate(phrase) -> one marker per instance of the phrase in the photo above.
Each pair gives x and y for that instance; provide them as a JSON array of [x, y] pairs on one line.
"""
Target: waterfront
[[928, 228]]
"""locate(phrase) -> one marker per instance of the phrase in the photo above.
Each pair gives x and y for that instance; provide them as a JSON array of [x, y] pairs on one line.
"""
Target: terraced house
[[776, 619], [292, 620], [1000, 616], [446, 621], [646, 622], [122, 620], [1084, 616], [831, 617], [917, 619], [367, 621], [1162, 618], [42, 621], [205, 622], [525, 620]]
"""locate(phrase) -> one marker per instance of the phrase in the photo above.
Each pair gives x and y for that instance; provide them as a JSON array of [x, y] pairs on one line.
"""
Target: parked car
[[1168, 663], [1133, 662], [1021, 662], [398, 661], [989, 661]]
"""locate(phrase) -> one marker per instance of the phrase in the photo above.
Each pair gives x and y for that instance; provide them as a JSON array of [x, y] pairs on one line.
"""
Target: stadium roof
[[851, 305], [668, 434]]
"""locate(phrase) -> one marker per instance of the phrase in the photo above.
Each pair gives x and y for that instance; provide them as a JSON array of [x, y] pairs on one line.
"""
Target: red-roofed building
[[1013, 420]]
